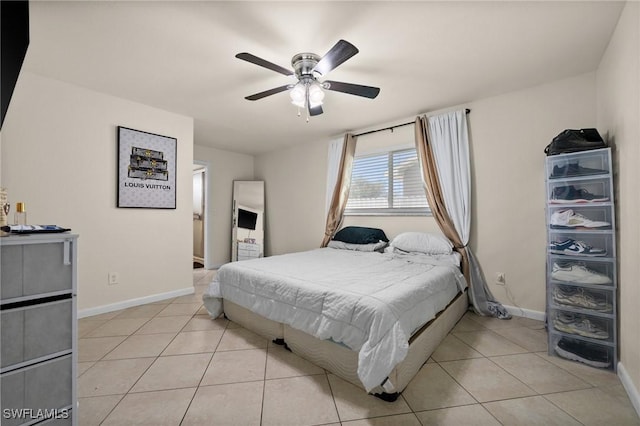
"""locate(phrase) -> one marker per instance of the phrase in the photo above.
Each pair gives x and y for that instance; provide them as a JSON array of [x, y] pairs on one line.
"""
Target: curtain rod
[[393, 127]]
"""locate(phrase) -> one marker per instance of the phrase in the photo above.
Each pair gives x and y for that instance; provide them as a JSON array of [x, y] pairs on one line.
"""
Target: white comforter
[[370, 302]]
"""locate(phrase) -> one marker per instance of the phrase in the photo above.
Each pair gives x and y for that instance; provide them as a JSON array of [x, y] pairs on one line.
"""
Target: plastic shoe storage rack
[[581, 278]]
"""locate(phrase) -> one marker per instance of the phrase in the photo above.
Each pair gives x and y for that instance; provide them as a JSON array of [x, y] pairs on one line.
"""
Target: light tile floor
[[168, 363]]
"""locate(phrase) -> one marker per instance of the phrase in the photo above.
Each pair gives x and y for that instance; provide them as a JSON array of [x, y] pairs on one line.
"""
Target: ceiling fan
[[308, 92]]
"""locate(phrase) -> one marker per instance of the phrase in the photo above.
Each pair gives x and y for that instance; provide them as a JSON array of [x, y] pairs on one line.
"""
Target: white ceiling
[[179, 56]]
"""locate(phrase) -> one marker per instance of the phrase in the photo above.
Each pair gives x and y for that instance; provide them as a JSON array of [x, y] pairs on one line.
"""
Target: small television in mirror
[[247, 219]]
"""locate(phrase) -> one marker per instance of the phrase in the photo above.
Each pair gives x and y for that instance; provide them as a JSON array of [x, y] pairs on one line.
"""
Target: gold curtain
[[341, 190], [434, 193]]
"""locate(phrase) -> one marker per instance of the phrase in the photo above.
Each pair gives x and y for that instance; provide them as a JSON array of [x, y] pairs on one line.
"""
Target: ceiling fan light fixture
[[316, 95], [298, 95], [299, 104]]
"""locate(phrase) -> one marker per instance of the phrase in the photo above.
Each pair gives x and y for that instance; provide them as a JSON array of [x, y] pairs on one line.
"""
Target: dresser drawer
[[248, 253], [244, 257], [32, 269], [45, 386], [248, 247], [35, 331]]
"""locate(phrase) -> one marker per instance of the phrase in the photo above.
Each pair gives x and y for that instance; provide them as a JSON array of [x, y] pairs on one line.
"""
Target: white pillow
[[357, 247], [422, 242]]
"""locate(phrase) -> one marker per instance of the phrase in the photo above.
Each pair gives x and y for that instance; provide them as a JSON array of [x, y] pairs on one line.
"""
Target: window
[[388, 183]]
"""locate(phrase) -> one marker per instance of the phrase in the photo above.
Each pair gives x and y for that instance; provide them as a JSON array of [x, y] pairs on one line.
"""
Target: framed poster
[[146, 170]]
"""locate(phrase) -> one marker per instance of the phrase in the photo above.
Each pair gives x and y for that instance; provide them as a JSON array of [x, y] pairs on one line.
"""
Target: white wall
[[508, 136], [59, 148], [618, 85], [224, 168], [295, 186]]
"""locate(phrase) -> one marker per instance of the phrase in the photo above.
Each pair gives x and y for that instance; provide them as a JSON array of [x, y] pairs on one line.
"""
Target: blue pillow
[[360, 235]]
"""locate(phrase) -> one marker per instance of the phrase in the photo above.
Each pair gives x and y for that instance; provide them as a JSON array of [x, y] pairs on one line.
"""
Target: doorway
[[200, 208]]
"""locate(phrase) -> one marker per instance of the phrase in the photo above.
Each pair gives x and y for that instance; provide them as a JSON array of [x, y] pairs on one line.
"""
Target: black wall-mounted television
[[15, 40], [247, 219]]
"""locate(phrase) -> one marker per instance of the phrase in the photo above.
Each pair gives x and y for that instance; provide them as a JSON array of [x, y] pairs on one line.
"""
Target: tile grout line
[[184, 416], [560, 408], [333, 397], [143, 373], [589, 383], [114, 407]]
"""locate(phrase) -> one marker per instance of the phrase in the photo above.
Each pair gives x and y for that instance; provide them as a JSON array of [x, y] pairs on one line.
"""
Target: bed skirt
[[342, 361]]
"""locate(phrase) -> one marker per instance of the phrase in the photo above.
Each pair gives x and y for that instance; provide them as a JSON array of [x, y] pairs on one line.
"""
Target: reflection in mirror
[[247, 232]]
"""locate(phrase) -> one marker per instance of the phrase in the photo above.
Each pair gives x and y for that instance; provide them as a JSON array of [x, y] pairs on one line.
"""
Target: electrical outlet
[[500, 278], [113, 278]]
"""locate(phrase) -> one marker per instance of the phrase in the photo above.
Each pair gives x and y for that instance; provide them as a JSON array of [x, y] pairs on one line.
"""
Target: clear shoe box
[[580, 299], [586, 326], [589, 353], [581, 284], [598, 213], [580, 164], [589, 271], [600, 241], [580, 191]]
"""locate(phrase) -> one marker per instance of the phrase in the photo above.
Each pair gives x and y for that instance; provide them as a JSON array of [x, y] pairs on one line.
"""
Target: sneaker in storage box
[[576, 273], [580, 298], [569, 219], [574, 169], [575, 248], [571, 194], [593, 355], [578, 324]]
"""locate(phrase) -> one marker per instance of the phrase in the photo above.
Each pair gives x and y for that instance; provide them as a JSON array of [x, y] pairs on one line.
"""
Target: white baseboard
[[526, 313], [627, 383], [82, 313]]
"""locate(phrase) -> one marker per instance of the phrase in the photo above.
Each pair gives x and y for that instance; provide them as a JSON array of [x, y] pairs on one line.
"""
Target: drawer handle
[[67, 253]]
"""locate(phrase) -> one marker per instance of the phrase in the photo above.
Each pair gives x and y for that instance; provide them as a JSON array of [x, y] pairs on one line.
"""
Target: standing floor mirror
[[247, 229]]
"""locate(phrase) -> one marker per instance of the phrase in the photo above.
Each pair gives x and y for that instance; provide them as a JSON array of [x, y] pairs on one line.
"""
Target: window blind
[[387, 183]]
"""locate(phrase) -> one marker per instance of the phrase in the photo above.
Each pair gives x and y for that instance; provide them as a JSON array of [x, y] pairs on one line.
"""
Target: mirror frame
[[247, 243]]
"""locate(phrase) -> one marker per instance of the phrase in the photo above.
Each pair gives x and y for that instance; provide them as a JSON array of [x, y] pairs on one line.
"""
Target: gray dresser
[[248, 251], [38, 352]]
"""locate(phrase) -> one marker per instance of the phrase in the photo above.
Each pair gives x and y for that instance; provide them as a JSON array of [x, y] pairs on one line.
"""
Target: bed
[[370, 317]]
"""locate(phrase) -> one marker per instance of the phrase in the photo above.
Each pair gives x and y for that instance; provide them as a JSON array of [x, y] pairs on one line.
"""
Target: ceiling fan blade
[[266, 93], [352, 89], [266, 64], [315, 110], [339, 53]]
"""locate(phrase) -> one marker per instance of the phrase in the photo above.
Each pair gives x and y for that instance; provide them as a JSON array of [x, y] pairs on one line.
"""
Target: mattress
[[369, 302]]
